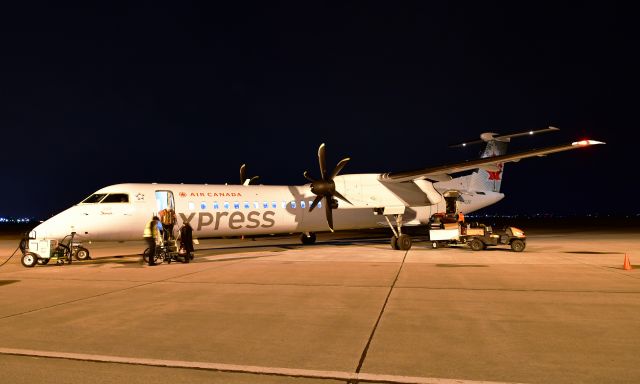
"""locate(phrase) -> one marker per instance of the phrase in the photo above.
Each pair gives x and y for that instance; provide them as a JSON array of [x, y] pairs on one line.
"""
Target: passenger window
[[274, 204], [226, 205], [319, 204], [192, 206], [236, 205], [265, 205], [284, 205], [302, 204], [216, 205], [203, 205], [116, 198], [247, 205], [293, 204], [256, 205]]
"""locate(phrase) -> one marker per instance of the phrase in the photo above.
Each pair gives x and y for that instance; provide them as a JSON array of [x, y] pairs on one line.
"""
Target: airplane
[[351, 201]]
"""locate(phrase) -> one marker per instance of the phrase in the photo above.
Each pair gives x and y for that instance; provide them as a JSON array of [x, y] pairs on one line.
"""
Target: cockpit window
[[116, 198], [93, 199]]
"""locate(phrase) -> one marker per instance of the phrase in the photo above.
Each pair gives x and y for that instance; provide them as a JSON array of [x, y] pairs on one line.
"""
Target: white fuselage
[[234, 210]]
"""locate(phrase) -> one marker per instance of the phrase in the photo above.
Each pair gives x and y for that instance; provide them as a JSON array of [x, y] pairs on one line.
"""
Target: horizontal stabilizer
[[488, 136]]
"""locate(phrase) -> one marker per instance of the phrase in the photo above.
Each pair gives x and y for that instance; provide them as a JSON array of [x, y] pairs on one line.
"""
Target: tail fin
[[490, 178]]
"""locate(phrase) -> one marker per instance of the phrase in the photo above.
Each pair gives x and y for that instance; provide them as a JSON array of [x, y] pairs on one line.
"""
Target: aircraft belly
[[342, 219]]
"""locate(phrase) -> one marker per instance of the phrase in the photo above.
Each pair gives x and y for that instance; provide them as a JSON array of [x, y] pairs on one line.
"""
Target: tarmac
[[348, 309]]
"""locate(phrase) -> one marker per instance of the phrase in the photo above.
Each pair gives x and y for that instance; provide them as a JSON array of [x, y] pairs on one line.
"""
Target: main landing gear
[[308, 238], [399, 240]]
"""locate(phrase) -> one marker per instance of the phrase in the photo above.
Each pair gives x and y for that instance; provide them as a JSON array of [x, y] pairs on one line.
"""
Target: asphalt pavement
[[347, 309]]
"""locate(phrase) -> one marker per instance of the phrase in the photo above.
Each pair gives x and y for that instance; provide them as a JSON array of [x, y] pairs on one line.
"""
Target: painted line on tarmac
[[249, 369], [363, 356]]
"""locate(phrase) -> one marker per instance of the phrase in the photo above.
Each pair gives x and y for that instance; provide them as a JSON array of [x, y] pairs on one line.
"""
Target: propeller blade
[[322, 162], [328, 211], [306, 176], [315, 203], [339, 167], [339, 195], [325, 187], [243, 173]]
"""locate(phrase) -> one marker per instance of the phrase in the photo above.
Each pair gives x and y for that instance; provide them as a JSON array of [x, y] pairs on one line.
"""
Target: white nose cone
[[56, 227]]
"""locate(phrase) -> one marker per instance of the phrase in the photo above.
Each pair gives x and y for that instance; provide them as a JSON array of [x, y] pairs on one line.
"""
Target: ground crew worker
[[460, 217], [151, 235], [168, 220], [186, 241]]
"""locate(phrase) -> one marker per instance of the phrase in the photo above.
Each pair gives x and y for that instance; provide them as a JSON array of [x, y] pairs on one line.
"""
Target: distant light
[[15, 220], [531, 132], [587, 142], [464, 144]]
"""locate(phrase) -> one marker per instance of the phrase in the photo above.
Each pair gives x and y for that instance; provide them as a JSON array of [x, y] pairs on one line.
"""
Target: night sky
[[98, 94]]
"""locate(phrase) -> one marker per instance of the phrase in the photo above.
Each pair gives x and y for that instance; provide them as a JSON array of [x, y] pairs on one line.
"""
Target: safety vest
[[151, 229], [167, 217]]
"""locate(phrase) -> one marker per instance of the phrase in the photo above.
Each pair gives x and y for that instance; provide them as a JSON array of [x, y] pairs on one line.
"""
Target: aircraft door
[[451, 198], [164, 200]]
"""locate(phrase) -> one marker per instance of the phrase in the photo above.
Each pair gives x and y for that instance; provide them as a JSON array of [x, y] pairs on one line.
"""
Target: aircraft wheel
[[518, 245], [43, 261], [394, 243], [82, 253], [29, 259], [404, 242], [308, 240], [476, 245]]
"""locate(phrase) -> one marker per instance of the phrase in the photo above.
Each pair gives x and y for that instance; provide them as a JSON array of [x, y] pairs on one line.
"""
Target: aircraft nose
[[44, 230], [53, 228]]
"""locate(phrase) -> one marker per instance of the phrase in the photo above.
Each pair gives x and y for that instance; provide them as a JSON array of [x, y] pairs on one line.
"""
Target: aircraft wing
[[442, 173]]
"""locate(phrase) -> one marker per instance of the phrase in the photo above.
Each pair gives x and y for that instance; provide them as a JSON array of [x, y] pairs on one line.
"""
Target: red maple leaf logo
[[495, 175], [183, 194]]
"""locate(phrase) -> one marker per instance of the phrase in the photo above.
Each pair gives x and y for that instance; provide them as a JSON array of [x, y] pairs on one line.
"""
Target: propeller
[[243, 176], [325, 188]]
